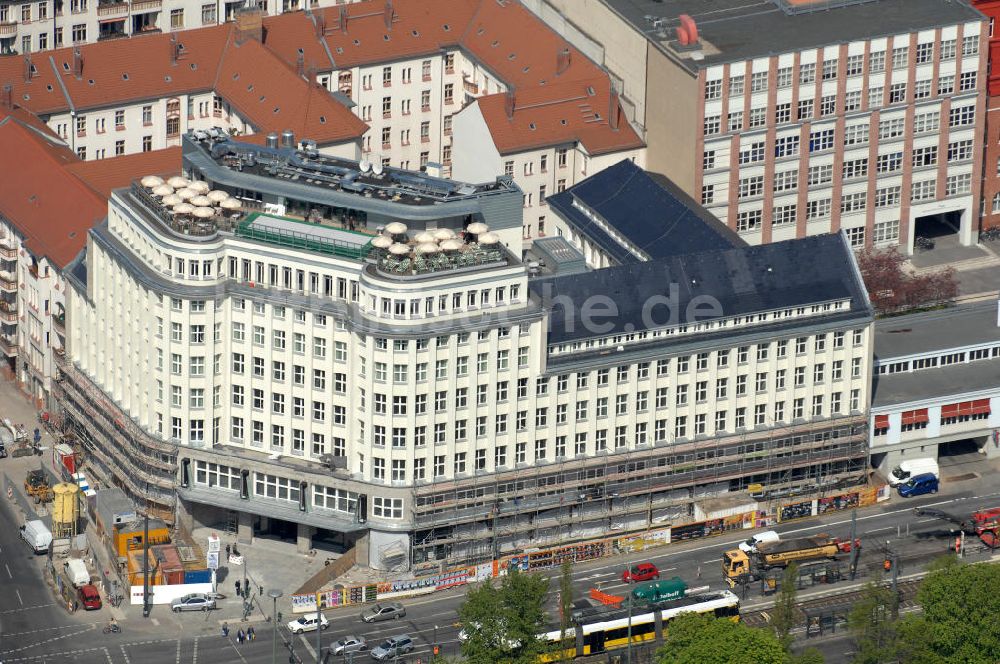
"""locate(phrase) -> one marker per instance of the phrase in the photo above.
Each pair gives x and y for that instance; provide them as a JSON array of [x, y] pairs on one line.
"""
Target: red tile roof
[[558, 114], [49, 205], [106, 175], [132, 70]]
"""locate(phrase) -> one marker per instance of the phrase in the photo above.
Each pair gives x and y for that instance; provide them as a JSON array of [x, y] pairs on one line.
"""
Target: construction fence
[[549, 558]]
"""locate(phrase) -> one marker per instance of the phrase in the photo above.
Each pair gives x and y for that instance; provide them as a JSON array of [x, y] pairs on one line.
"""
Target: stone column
[[303, 541], [244, 528]]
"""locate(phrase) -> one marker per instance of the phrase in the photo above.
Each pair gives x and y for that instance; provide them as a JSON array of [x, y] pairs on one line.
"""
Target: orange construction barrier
[[607, 599]]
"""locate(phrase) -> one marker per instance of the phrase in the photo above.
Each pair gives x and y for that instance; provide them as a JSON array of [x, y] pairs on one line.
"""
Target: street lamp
[[274, 594]]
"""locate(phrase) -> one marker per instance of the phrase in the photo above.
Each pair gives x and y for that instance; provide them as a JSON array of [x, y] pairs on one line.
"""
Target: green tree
[[784, 615], [565, 597], [873, 621], [693, 637], [959, 620], [808, 656], [502, 624]]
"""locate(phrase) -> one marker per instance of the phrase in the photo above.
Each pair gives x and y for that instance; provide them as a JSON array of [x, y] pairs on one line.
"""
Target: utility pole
[[319, 632], [855, 550], [274, 594]]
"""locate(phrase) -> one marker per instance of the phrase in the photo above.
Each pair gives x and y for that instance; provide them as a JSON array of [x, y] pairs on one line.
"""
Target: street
[[35, 629]]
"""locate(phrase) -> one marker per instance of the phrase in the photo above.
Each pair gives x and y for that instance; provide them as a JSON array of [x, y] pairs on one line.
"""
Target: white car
[[307, 623]]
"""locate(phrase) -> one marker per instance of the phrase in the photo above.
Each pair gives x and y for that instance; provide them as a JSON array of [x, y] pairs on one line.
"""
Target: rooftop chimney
[[300, 63], [175, 49], [508, 103], [687, 31], [7, 96], [249, 25], [388, 15], [342, 19], [614, 109], [77, 62], [562, 60], [28, 73]]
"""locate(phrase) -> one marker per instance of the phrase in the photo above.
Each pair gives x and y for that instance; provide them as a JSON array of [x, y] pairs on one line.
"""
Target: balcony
[[8, 346], [59, 321], [110, 9], [8, 312], [140, 6], [8, 28], [108, 36], [8, 282]]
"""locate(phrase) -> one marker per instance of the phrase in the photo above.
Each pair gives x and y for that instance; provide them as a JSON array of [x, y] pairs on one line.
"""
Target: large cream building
[[284, 370]]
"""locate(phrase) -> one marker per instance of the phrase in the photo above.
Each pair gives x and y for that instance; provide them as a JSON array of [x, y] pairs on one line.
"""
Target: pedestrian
[[251, 635], [76, 606], [699, 571], [238, 588], [228, 550], [239, 636], [225, 630]]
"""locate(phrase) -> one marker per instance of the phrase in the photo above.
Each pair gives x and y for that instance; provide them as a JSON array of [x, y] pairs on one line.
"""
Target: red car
[[90, 598], [641, 572]]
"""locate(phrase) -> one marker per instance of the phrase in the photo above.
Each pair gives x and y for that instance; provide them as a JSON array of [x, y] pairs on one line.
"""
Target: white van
[[911, 468], [77, 572], [751, 544], [37, 536]]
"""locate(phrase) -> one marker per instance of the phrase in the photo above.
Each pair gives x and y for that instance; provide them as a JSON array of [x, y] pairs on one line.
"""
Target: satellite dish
[[377, 167], [365, 165]]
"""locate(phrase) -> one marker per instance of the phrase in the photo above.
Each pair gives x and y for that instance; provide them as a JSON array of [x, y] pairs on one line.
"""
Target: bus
[[610, 631]]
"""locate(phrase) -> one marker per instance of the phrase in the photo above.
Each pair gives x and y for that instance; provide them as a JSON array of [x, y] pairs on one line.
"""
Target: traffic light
[[887, 565], [437, 650]]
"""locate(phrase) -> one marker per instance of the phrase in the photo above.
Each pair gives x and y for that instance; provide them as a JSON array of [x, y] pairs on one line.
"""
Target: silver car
[[394, 646], [192, 602], [349, 644], [383, 611]]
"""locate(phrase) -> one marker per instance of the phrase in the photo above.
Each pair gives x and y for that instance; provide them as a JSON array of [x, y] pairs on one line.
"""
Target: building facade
[[991, 159], [867, 119], [428, 409]]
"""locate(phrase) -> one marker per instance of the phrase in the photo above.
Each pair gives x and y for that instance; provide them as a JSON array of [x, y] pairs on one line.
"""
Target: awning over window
[[918, 416], [966, 408], [881, 421]]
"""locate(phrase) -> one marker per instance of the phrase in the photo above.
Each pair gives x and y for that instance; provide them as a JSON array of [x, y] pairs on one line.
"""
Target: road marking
[[19, 596], [238, 653], [125, 655], [178, 651], [108, 655], [309, 648], [9, 575], [877, 530], [194, 659], [156, 622]]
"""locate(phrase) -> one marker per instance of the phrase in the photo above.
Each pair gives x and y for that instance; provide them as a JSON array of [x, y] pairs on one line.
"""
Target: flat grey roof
[[736, 30], [888, 390], [955, 327]]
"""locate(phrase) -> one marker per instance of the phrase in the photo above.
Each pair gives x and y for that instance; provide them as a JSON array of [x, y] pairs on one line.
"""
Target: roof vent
[[342, 19], [446, 27], [271, 140], [687, 32], [77, 62], [7, 96], [288, 139], [125, 76], [175, 49], [29, 69], [388, 15], [415, 33], [300, 63], [508, 103], [531, 126]]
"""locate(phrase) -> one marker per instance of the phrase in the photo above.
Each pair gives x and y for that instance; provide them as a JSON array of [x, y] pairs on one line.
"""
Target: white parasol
[[171, 200], [443, 234], [187, 193], [200, 186], [489, 238], [424, 237], [427, 248], [203, 212], [151, 181], [395, 228], [451, 245], [183, 208], [178, 181], [201, 201], [382, 242], [231, 204], [163, 190], [217, 195], [399, 249], [477, 228]]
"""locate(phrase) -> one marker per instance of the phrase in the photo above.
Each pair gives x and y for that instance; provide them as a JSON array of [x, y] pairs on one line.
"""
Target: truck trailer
[[737, 564]]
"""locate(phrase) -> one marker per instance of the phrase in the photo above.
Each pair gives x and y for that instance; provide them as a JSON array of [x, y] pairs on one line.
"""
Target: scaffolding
[[141, 465], [483, 517]]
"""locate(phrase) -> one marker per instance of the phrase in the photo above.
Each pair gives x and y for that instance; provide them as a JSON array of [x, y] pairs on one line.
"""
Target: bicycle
[[113, 628]]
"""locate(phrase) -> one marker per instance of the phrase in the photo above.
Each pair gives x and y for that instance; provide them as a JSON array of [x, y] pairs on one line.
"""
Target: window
[[900, 57], [208, 14], [785, 180], [925, 52], [783, 214], [924, 122], [829, 70], [752, 153], [958, 184], [888, 163], [876, 95], [853, 202], [708, 160], [818, 209], [176, 18], [948, 49], [807, 73], [946, 84], [856, 236], [784, 77], [886, 232], [786, 146], [828, 105], [805, 109], [970, 45], [713, 124], [923, 189], [852, 101], [272, 486], [922, 89], [967, 81], [856, 168], [713, 89], [855, 65], [748, 220], [752, 186], [897, 93], [925, 156], [783, 113], [387, 508], [820, 174], [79, 33], [758, 117], [821, 140], [758, 81], [735, 122]]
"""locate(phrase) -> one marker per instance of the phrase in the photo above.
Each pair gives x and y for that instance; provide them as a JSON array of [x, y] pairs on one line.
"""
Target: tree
[[502, 624], [694, 637], [565, 597], [783, 616], [873, 622], [958, 625], [892, 289]]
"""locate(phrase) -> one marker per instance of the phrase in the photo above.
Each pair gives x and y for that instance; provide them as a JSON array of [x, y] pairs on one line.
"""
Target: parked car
[[383, 611], [474, 627], [89, 598], [307, 623], [349, 644], [394, 646], [919, 485], [640, 572], [192, 602]]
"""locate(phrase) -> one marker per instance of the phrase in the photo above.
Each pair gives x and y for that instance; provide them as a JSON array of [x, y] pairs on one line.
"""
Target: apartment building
[[284, 368], [40, 25], [479, 88], [990, 207], [112, 99], [935, 389], [792, 118]]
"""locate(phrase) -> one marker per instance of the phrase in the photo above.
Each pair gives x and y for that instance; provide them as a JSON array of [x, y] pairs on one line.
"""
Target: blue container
[[198, 576]]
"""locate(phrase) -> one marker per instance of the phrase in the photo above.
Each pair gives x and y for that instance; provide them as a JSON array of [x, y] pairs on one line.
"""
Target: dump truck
[[984, 524], [737, 564], [36, 485]]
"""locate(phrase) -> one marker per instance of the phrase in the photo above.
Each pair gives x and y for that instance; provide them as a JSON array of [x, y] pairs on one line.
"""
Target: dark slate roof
[[649, 211], [737, 30], [741, 280], [932, 331]]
